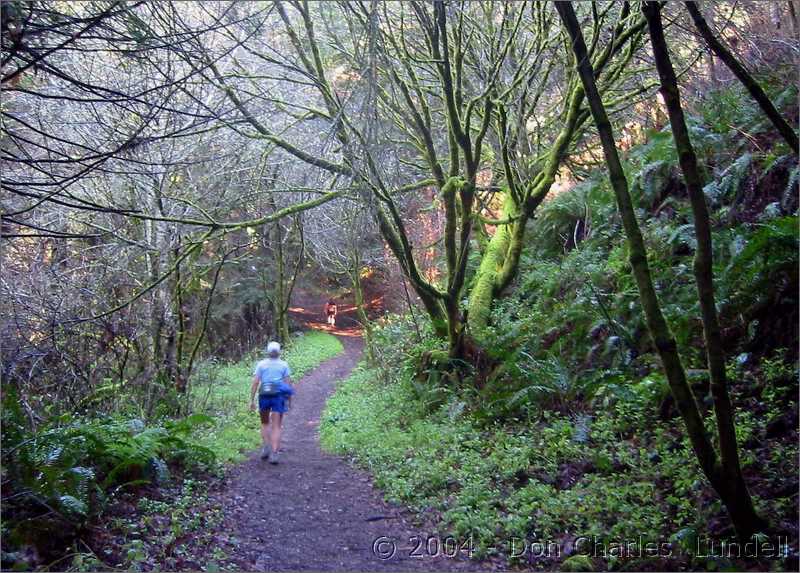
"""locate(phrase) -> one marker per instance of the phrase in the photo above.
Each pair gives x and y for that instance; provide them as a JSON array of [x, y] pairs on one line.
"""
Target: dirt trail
[[314, 511]]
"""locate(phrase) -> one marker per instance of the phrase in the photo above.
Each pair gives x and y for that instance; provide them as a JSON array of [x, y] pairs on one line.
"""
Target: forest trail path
[[314, 511]]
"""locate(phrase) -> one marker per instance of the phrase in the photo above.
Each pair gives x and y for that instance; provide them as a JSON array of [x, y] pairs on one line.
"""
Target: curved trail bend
[[314, 511]]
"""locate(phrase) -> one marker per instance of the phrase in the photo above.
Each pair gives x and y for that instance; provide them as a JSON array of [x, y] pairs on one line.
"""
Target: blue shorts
[[275, 403]]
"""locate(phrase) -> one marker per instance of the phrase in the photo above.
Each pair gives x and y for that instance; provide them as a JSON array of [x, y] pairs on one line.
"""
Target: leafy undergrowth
[[564, 449], [168, 526], [564, 434], [537, 490], [227, 399], [144, 481], [569, 442], [160, 529]]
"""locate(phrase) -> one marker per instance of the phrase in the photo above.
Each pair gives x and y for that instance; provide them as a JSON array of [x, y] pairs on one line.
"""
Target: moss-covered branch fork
[[501, 260]]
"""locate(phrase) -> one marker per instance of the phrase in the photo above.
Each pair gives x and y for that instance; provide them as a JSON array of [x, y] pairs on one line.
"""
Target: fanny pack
[[270, 388]]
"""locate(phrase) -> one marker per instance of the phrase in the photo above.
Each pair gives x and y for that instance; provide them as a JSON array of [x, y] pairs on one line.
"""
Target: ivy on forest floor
[[162, 529], [611, 475]]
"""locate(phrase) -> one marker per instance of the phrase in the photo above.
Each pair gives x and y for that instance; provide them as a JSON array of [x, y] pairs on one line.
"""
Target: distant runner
[[271, 381], [330, 311]]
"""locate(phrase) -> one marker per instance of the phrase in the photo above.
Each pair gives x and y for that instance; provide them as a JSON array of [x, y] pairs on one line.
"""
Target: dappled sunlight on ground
[[337, 330]]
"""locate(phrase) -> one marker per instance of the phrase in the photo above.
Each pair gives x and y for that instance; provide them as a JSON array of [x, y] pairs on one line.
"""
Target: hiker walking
[[330, 311], [271, 381]]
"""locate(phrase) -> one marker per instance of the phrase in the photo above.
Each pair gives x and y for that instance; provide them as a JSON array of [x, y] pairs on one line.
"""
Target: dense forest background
[[567, 233]]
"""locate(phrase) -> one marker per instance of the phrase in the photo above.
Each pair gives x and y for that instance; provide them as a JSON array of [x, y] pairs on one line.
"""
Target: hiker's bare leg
[[264, 426], [277, 429]]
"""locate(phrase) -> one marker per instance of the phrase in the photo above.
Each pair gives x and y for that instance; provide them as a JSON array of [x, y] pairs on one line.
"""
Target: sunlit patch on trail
[[354, 331], [312, 316]]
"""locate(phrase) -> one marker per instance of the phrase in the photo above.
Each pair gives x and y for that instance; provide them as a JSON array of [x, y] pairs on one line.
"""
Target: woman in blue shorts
[[271, 382]]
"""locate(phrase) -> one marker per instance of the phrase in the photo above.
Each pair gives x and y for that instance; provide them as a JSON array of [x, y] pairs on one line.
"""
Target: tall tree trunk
[[456, 335], [279, 306], [152, 237], [290, 283], [358, 295], [659, 330], [201, 334], [744, 76], [178, 373], [713, 73], [703, 272]]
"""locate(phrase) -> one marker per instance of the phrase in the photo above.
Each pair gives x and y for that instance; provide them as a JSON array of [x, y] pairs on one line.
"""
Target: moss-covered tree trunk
[[499, 264], [499, 272], [731, 475], [663, 338], [744, 76]]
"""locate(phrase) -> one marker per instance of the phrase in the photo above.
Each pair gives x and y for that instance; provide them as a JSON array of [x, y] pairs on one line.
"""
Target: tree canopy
[[177, 175]]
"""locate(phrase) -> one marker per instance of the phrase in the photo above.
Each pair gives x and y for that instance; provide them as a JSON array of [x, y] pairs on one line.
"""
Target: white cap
[[273, 347]]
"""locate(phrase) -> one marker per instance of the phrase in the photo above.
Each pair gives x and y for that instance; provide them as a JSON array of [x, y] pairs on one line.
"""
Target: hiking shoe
[[273, 458], [265, 452]]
